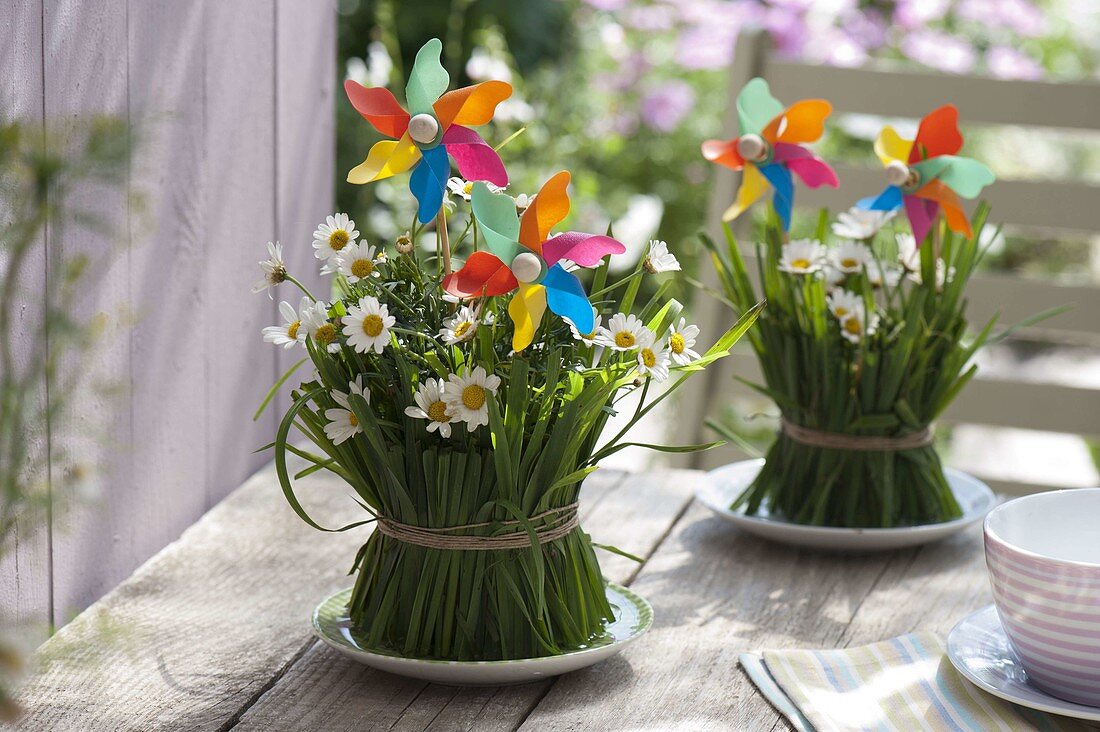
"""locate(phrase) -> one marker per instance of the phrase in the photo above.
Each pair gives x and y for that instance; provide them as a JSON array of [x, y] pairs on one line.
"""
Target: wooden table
[[213, 633]]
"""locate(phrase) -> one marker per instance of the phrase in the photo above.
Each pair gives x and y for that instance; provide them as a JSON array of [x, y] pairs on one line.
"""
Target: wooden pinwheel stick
[[444, 241]]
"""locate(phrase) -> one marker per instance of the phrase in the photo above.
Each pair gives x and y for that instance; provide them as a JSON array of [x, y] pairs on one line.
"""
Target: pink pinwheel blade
[[813, 171], [473, 156], [585, 249], [921, 215]]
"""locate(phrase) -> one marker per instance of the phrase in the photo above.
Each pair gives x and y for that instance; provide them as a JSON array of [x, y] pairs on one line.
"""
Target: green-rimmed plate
[[633, 616]]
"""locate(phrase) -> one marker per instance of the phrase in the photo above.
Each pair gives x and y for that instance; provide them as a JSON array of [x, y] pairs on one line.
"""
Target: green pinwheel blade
[[966, 176], [427, 80], [756, 107], [497, 218]]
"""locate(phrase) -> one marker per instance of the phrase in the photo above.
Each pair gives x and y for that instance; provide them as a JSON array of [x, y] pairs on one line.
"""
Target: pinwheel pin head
[[527, 267], [753, 148], [424, 129], [901, 175]]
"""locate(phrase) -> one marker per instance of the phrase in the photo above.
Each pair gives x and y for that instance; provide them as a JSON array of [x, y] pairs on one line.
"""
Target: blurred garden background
[[621, 92]]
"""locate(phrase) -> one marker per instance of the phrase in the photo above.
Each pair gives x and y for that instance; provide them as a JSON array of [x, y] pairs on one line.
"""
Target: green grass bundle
[[862, 346]]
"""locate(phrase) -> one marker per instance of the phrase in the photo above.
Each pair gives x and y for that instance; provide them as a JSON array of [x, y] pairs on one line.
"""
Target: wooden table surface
[[213, 633]]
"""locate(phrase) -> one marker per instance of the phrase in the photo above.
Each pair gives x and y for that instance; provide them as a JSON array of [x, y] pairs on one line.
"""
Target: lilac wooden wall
[[233, 104]]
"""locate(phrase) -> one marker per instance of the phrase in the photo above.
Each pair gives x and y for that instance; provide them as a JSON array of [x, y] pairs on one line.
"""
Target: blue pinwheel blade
[[889, 200], [780, 178], [565, 296], [428, 181]]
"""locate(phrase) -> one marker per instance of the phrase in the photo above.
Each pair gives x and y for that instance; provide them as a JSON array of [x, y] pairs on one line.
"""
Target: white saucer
[[980, 651], [726, 483], [633, 617]]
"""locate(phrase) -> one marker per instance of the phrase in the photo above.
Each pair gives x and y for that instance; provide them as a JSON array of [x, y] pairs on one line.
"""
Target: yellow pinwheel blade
[[526, 309], [891, 146], [386, 158], [753, 186]]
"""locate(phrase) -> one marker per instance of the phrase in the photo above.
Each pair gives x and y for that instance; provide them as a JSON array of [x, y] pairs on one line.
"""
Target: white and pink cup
[[1043, 555]]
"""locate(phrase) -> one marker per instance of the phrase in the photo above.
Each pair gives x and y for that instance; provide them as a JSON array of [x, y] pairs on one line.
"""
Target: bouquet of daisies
[[465, 406]]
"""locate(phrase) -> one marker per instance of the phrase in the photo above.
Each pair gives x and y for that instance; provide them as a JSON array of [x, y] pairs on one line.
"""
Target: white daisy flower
[[523, 202], [802, 256], [849, 256], [331, 237], [273, 267], [315, 320], [843, 304], [908, 253], [878, 274], [680, 342], [467, 396], [659, 259], [290, 333], [464, 189], [652, 359], [359, 261], [430, 406], [588, 339], [342, 424], [460, 327], [858, 223], [944, 274], [404, 244], [854, 329], [833, 277], [367, 325], [624, 332]]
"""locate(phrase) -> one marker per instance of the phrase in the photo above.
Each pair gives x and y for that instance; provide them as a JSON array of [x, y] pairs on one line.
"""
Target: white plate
[[980, 651], [726, 483], [633, 617]]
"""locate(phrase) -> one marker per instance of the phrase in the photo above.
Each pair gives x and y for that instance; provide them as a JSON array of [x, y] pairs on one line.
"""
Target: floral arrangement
[[463, 414], [862, 345]]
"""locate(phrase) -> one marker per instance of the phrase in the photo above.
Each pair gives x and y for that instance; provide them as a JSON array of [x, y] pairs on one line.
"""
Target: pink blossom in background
[[867, 28], [706, 48], [1008, 63], [608, 5], [788, 30], [1021, 16], [667, 105], [836, 48], [715, 13], [650, 17], [939, 50], [915, 14]]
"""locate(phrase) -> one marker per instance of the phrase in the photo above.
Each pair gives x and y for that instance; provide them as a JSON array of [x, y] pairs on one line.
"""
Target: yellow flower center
[[462, 328], [338, 239], [468, 188], [372, 325], [292, 330], [849, 263], [353, 420], [437, 412], [800, 263], [624, 339], [676, 343], [362, 268], [473, 396], [841, 312], [325, 333], [853, 326], [648, 358]]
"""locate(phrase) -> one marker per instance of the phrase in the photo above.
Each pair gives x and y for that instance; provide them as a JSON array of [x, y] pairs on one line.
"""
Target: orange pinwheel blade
[[938, 134], [550, 206], [471, 105], [723, 152], [753, 186], [952, 209], [803, 121], [386, 158]]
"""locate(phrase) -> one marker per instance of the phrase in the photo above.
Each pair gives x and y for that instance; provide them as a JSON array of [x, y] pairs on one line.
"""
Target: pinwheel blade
[[473, 156], [526, 310], [783, 199], [565, 296], [471, 105], [428, 181], [379, 107], [921, 215], [723, 152], [813, 171], [966, 176], [937, 191], [938, 134], [891, 146], [803, 121], [386, 158], [497, 219], [584, 249], [889, 200], [753, 186], [483, 275], [427, 80], [756, 107], [550, 206]]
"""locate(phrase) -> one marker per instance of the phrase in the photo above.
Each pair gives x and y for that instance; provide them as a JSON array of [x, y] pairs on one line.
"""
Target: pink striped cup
[[1043, 556]]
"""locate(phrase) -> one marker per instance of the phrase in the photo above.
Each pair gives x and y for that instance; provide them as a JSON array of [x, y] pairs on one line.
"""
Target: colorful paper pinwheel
[[433, 127], [925, 174], [769, 149], [523, 256]]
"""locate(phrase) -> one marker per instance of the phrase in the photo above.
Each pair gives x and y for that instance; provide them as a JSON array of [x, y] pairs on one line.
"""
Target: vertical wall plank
[[305, 50], [86, 73], [239, 180], [25, 571], [169, 261]]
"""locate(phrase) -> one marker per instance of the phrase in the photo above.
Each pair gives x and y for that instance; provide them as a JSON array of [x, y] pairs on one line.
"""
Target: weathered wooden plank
[[86, 72], [305, 72], [239, 175], [25, 569], [635, 515], [199, 631]]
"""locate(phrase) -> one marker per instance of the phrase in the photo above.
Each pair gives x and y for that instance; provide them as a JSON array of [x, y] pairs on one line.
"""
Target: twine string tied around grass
[[559, 522], [863, 443]]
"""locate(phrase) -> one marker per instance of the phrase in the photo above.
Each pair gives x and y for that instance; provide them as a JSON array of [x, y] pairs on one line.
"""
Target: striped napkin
[[906, 683]]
